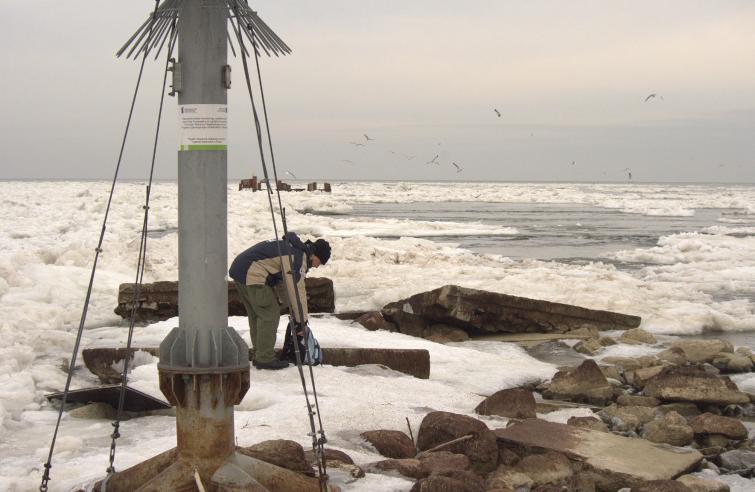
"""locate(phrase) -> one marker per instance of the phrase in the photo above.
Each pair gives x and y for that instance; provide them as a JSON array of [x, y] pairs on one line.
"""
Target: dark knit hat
[[321, 249]]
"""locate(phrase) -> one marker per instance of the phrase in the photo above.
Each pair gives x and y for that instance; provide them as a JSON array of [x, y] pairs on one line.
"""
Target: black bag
[[309, 348]]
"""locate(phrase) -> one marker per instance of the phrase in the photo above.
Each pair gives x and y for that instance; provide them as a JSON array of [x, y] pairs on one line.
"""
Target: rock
[[661, 486], [588, 423], [637, 335], [489, 312], [441, 333], [586, 383], [584, 331], [640, 377], [441, 427], [739, 461], [691, 384], [97, 410], [727, 362], [330, 455], [545, 468], [607, 341], [466, 477], [671, 429], [158, 301], [698, 484], [628, 417], [279, 452], [708, 423], [507, 456], [507, 478], [589, 346], [391, 443], [637, 401], [444, 484], [674, 355], [702, 350], [686, 410], [107, 363], [617, 460], [612, 372], [515, 403], [408, 467], [374, 320], [443, 461], [624, 363], [714, 441]]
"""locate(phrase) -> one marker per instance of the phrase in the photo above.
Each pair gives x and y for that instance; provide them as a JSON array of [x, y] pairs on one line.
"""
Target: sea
[[681, 256]]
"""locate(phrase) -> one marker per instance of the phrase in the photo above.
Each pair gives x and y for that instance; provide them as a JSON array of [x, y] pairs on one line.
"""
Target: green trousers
[[263, 312]]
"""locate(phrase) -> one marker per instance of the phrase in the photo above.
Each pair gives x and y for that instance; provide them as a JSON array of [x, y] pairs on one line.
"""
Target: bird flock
[[366, 140]]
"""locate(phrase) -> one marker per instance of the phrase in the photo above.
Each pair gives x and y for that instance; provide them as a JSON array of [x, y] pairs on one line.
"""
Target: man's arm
[[294, 283]]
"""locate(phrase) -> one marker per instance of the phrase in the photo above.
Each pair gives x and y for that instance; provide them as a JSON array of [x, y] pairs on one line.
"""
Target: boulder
[[515, 403], [628, 417], [441, 427], [158, 301], [585, 383], [686, 410], [506, 478], [441, 333], [727, 362], [333, 455], [391, 443], [709, 423], [107, 363], [374, 320], [671, 429], [661, 486], [589, 346], [588, 423], [702, 350], [640, 377], [739, 461], [692, 384], [483, 312], [438, 483], [607, 341], [620, 461], [550, 467], [699, 484], [637, 335], [408, 467], [279, 452], [624, 363], [443, 462], [673, 355], [638, 401]]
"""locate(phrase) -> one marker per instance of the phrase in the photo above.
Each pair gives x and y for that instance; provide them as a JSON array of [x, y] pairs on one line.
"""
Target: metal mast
[[204, 364]]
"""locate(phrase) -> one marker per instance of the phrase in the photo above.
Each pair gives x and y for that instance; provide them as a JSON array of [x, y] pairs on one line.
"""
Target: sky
[[420, 78]]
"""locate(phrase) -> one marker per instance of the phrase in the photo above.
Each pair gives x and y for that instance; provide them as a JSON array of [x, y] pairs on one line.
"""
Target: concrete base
[[168, 472]]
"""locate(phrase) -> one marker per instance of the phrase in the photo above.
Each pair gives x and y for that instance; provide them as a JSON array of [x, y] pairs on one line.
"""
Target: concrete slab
[[135, 400], [624, 460], [415, 362]]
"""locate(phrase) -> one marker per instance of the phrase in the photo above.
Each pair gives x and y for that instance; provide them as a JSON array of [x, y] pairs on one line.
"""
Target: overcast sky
[[421, 77]]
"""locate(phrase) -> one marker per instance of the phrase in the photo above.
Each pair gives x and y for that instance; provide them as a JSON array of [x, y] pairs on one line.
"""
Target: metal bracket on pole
[[226, 77], [177, 82]]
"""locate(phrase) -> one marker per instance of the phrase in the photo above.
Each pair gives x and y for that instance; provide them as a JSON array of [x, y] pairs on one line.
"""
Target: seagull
[[357, 144], [367, 137], [291, 174], [651, 96], [433, 160], [458, 168], [573, 162], [497, 112]]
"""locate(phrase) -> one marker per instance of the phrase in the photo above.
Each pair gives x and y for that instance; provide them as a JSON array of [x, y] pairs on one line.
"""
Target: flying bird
[[347, 161], [291, 174], [573, 162], [458, 168], [357, 144], [651, 96], [367, 137], [434, 160], [629, 173], [497, 112]]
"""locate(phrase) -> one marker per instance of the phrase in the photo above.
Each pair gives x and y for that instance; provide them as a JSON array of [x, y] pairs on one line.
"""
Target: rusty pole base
[[167, 472]]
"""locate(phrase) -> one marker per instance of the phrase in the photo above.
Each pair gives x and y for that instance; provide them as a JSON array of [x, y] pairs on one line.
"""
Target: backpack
[[309, 348]]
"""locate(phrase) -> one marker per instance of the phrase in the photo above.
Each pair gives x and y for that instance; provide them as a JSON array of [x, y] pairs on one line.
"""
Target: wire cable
[[48, 465]]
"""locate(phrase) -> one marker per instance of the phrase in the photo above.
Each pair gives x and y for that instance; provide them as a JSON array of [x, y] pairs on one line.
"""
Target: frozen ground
[[48, 232]]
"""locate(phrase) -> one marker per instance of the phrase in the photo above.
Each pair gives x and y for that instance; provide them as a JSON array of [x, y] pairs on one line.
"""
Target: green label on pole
[[203, 126]]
